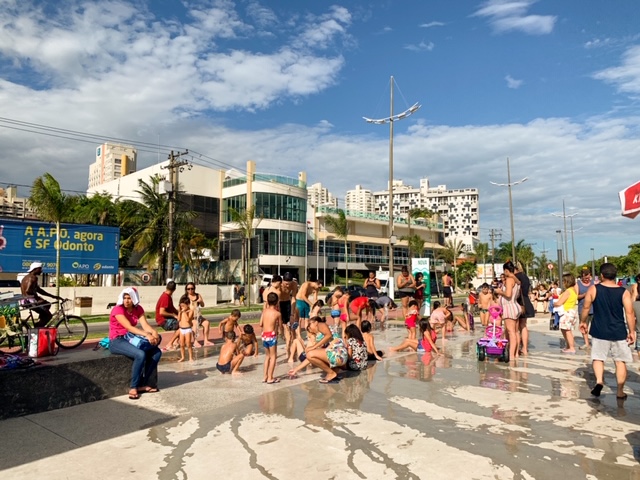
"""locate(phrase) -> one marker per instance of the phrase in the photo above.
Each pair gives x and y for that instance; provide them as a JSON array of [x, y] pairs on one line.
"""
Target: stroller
[[491, 345]]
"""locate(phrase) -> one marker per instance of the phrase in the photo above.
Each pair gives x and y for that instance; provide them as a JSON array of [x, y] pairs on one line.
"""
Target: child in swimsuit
[[185, 323], [230, 359], [412, 318], [248, 343]]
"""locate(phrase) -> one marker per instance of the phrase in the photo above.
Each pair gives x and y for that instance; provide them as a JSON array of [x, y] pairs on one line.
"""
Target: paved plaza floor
[[409, 417]]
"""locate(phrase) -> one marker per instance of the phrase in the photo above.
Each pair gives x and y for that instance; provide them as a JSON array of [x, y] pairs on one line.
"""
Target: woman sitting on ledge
[[128, 317]]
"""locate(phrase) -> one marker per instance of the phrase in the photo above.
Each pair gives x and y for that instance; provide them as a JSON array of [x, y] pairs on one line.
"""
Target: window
[[281, 242], [238, 203], [281, 207]]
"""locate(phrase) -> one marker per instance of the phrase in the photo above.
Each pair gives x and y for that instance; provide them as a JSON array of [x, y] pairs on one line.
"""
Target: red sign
[[630, 201], [550, 266]]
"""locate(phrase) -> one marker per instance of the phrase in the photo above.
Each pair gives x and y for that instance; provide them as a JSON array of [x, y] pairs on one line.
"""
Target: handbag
[[138, 341], [42, 342]]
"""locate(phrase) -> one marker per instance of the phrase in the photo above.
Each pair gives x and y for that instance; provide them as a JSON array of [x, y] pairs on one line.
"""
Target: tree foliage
[[340, 227]]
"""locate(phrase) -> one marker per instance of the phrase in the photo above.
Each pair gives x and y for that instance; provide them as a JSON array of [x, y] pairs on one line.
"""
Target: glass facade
[[238, 203], [280, 207], [280, 242]]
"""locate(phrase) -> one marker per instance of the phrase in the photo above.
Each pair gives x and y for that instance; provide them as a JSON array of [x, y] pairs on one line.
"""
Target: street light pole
[[509, 184], [593, 265], [560, 265], [390, 120], [566, 241]]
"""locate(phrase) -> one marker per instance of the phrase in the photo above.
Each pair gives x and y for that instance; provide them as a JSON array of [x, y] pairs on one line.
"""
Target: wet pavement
[[409, 417]]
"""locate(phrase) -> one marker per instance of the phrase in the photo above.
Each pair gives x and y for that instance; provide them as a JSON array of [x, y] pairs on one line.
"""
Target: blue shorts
[[303, 308]]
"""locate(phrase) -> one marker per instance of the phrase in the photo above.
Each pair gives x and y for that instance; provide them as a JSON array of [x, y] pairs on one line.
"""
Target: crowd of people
[[339, 334]]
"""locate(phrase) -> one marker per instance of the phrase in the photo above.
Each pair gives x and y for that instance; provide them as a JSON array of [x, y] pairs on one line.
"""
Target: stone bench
[[68, 379]]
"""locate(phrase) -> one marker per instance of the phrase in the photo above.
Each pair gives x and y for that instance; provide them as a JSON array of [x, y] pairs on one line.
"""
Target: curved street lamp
[[390, 120]]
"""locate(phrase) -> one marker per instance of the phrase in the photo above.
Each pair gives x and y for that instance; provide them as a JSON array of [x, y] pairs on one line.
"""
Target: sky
[[552, 85]]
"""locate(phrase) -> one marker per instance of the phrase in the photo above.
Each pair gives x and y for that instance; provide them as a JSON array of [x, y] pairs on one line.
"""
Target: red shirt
[[115, 327], [358, 303], [165, 301]]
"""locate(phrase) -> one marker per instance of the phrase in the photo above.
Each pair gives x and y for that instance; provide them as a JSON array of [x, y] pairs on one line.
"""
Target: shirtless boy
[[303, 301], [270, 323], [484, 300], [229, 360], [230, 323]]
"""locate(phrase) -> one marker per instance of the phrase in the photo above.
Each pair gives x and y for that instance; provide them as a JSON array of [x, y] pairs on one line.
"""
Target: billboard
[[83, 248], [423, 265]]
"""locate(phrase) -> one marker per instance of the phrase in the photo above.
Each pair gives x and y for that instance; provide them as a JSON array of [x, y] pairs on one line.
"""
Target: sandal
[[148, 390], [133, 396]]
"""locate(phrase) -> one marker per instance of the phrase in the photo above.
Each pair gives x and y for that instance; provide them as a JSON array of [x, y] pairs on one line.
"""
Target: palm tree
[[191, 248], [246, 221], [416, 245], [453, 247], [51, 205], [415, 213], [340, 226], [98, 209], [147, 223], [482, 250]]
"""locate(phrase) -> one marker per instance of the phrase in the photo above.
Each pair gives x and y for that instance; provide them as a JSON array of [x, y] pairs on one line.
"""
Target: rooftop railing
[[382, 218]]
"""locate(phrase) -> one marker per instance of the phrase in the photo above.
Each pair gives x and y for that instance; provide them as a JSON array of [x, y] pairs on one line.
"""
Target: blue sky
[[552, 85]]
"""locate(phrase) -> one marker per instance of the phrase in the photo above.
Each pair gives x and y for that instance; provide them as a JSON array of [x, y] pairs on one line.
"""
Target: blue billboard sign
[[83, 248]]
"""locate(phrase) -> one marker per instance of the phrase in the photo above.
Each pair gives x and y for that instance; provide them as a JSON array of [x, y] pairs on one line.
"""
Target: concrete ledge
[[59, 383]]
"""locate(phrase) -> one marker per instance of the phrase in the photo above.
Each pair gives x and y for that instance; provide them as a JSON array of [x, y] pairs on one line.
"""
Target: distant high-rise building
[[458, 208], [359, 200], [112, 162], [318, 195]]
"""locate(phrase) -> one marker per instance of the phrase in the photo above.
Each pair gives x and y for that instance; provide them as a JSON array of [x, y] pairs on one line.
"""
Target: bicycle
[[72, 330]]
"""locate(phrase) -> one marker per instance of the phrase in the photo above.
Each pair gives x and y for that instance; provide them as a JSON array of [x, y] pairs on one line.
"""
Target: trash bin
[[82, 306]]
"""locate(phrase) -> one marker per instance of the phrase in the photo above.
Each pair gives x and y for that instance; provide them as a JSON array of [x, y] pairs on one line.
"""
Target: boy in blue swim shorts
[[270, 322]]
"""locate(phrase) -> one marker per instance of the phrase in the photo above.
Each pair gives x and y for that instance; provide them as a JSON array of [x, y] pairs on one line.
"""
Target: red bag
[[42, 342]]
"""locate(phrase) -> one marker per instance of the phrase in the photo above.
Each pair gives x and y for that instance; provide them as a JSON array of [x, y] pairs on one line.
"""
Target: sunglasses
[[190, 288]]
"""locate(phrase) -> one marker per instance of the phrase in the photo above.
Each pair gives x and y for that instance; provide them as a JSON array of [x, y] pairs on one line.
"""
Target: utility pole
[[493, 235], [175, 165]]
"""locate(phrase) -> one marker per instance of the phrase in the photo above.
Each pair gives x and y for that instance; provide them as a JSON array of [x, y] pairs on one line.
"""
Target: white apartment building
[[359, 200], [318, 195], [112, 162], [458, 208], [12, 206]]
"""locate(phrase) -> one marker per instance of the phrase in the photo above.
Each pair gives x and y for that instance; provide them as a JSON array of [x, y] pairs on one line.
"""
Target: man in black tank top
[[610, 332]]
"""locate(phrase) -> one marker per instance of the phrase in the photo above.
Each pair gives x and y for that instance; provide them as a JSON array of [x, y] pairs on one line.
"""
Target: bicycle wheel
[[72, 331]]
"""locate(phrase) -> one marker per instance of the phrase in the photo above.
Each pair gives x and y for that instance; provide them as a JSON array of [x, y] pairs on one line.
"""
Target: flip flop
[[134, 396], [148, 390], [275, 380], [325, 382], [597, 389]]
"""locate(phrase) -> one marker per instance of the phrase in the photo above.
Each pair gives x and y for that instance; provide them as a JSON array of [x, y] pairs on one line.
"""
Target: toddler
[[185, 323]]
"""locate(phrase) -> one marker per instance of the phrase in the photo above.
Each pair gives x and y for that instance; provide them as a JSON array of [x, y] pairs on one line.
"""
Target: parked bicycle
[[72, 330]]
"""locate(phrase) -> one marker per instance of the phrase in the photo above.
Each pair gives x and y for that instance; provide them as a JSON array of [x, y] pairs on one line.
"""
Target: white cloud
[[432, 24], [420, 47], [625, 77], [511, 15], [513, 83]]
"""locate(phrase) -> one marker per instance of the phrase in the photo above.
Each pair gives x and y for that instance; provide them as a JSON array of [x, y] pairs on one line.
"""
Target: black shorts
[[285, 311], [446, 291]]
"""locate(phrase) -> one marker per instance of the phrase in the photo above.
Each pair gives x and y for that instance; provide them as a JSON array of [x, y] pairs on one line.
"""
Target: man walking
[[610, 334]]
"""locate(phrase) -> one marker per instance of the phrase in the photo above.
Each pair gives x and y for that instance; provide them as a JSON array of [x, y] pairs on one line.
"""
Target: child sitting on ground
[[229, 360], [248, 343], [372, 353], [356, 348], [185, 323], [230, 323], [426, 344]]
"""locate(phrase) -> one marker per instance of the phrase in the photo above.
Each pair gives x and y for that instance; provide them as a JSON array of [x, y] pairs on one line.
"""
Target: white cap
[[34, 265]]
